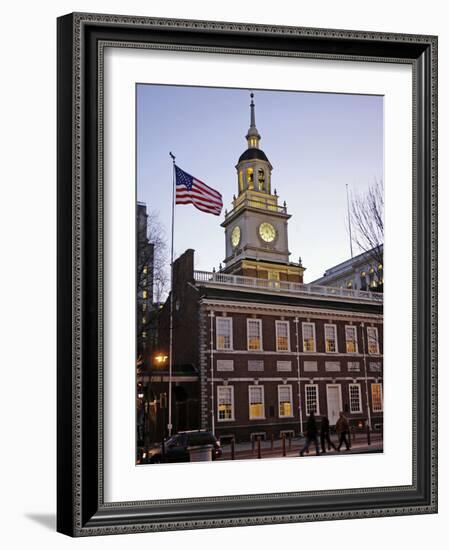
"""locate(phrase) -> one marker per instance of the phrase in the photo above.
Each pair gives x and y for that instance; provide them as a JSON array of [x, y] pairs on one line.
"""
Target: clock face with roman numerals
[[235, 236], [267, 232]]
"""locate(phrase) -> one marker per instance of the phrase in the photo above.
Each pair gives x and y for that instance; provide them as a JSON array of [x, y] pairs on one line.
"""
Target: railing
[[260, 204], [285, 286]]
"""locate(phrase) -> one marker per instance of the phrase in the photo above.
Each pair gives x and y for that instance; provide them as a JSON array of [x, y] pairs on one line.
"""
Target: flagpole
[[170, 365]]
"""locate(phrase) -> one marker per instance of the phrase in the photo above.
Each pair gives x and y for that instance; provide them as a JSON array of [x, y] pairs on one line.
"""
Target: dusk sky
[[316, 142]]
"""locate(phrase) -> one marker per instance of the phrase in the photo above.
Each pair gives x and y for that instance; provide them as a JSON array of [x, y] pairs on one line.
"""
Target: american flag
[[190, 190]]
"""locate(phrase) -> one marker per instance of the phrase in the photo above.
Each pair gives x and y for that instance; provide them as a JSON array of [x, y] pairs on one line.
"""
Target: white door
[[333, 402]]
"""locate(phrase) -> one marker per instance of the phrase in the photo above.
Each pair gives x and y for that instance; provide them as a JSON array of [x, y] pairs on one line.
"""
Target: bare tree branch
[[367, 221]]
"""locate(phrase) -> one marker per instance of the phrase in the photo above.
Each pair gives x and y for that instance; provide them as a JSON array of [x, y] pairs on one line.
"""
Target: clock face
[[267, 232], [235, 236]]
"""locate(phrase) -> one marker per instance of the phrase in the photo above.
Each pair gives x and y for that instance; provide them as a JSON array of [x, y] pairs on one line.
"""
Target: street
[[247, 450]]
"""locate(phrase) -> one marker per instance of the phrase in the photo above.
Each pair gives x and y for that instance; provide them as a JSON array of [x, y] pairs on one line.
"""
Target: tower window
[[241, 181], [250, 178], [261, 179]]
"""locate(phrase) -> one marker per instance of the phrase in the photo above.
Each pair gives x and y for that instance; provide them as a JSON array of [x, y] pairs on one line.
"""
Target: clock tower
[[256, 228]]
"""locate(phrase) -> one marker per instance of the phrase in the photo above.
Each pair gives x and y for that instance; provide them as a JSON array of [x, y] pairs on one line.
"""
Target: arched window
[[261, 179], [250, 178], [241, 181]]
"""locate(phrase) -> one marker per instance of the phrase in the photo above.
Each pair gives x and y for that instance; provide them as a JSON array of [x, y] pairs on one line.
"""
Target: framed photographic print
[[246, 274]]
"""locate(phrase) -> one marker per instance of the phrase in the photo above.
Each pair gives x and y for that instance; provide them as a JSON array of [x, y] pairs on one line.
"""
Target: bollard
[[259, 454], [232, 449], [368, 435], [252, 445], [289, 441], [350, 437], [283, 445], [272, 441]]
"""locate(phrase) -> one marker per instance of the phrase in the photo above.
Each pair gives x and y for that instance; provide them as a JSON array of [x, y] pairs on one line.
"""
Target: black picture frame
[[81, 510]]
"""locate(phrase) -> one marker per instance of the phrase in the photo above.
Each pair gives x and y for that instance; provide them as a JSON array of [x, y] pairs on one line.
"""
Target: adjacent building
[[365, 272]]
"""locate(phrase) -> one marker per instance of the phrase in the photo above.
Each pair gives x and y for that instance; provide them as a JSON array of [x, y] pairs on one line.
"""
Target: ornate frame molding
[[81, 39]]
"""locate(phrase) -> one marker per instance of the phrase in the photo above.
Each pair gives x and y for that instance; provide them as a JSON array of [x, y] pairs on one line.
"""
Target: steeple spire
[[253, 135], [253, 111]]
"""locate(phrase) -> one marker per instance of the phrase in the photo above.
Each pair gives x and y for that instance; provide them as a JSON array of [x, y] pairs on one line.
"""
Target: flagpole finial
[[172, 156]]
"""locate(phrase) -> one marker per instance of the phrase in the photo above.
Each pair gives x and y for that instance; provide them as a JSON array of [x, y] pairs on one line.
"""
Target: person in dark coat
[[342, 428], [311, 435], [325, 436]]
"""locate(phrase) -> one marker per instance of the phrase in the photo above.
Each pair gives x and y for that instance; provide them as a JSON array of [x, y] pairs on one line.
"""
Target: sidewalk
[[245, 450]]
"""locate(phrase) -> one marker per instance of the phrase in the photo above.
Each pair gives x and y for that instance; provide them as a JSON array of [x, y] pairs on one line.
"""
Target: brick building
[[269, 349]]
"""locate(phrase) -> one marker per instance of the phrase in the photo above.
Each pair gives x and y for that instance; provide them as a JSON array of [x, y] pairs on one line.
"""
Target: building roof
[[253, 154]]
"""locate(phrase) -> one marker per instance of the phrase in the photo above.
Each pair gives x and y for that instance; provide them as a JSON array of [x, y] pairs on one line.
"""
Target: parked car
[[176, 448]]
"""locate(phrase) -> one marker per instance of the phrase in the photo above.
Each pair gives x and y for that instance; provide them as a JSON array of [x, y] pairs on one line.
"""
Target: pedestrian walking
[[325, 436], [342, 428], [311, 435]]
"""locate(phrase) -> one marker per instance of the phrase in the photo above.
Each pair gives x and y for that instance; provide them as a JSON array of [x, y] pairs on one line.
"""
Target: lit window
[[224, 333], [241, 181], [330, 337], [225, 403], [282, 336], [351, 338], [250, 178], [285, 400], [308, 336], [376, 397], [145, 270], [373, 340], [274, 277], [311, 399], [355, 402], [144, 294], [256, 402], [254, 331]]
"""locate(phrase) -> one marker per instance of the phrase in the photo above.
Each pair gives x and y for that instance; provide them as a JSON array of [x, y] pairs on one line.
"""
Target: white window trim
[[291, 401], [381, 397], [231, 333], [356, 340], [288, 336], [259, 321], [377, 340], [263, 403], [232, 419], [336, 338], [314, 337], [317, 413], [359, 410]]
